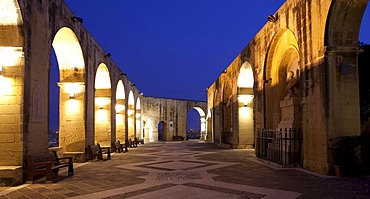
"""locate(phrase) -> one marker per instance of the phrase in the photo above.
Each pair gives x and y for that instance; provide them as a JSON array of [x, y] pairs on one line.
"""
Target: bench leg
[[70, 168]]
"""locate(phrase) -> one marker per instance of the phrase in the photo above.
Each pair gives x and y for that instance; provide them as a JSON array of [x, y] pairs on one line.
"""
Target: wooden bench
[[178, 138], [118, 147], [48, 165], [140, 141], [132, 143], [96, 151]]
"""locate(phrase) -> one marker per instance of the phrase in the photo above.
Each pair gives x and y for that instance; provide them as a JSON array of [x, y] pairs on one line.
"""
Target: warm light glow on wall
[[68, 50], [73, 107], [9, 13], [119, 119], [102, 101], [11, 56], [245, 99], [72, 88], [6, 84], [102, 79], [120, 108], [102, 115], [245, 78], [130, 112], [138, 115], [245, 113]]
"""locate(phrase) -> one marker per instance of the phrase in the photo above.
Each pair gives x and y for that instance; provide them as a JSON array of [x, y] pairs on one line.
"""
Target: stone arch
[[245, 105], [209, 126], [227, 105], [162, 131], [341, 67], [12, 64], [120, 111], [72, 92], [202, 119], [102, 106], [138, 119], [283, 58], [131, 115], [217, 115]]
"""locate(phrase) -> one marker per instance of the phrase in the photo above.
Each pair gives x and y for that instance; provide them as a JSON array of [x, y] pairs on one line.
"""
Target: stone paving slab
[[189, 169]]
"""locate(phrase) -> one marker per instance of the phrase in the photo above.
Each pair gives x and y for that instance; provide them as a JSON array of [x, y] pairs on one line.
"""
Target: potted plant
[[346, 154]]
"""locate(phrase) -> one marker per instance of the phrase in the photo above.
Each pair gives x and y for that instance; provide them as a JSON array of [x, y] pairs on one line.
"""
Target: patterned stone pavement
[[189, 169]]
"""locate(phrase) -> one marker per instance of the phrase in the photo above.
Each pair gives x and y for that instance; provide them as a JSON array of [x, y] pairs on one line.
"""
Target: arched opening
[[162, 131], [245, 105], [217, 117], [12, 83], [53, 101], [364, 70], [71, 68], [131, 115], [120, 112], [282, 75], [227, 115], [193, 124], [196, 124], [209, 126], [103, 106], [138, 116]]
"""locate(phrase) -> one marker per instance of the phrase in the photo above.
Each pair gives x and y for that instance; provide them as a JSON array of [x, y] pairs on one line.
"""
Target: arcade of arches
[[299, 71]]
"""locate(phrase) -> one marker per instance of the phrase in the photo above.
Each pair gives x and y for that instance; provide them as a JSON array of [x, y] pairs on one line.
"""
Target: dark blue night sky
[[176, 48]]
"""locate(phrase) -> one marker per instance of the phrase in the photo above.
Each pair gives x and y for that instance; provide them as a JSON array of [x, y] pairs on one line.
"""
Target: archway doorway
[[53, 138], [245, 106], [103, 106], [196, 124], [71, 69], [131, 115], [193, 124], [120, 112], [162, 131]]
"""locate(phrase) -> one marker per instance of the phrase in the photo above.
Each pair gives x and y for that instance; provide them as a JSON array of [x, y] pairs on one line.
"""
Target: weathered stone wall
[[156, 110], [325, 35]]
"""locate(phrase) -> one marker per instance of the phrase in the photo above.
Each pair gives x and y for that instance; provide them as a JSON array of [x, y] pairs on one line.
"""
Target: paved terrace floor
[[189, 170]]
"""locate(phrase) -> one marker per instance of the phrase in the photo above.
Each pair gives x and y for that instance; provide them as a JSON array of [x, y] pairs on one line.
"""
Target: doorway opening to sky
[[53, 139], [193, 124], [364, 70]]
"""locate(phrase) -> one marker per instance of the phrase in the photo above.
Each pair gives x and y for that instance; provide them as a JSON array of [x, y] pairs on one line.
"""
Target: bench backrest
[[34, 159]]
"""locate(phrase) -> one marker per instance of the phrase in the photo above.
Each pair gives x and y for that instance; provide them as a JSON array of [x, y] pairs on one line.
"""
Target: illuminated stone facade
[[316, 42]]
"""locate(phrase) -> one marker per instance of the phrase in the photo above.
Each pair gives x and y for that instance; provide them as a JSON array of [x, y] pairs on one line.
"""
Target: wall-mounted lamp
[[272, 18], [107, 55], [71, 95], [224, 71], [267, 81], [77, 19], [141, 93], [124, 74], [132, 84]]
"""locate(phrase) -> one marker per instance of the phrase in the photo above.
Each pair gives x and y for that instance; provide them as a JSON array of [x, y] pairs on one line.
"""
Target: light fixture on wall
[[267, 81], [71, 95], [224, 71], [77, 19], [107, 55], [133, 85], [124, 74], [272, 18]]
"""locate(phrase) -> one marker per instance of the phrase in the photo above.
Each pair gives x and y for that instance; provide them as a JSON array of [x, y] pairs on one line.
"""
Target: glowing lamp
[[102, 101], [72, 88]]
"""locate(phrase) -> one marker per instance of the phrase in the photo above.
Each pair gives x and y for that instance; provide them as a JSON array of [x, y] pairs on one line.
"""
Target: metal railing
[[282, 146]]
